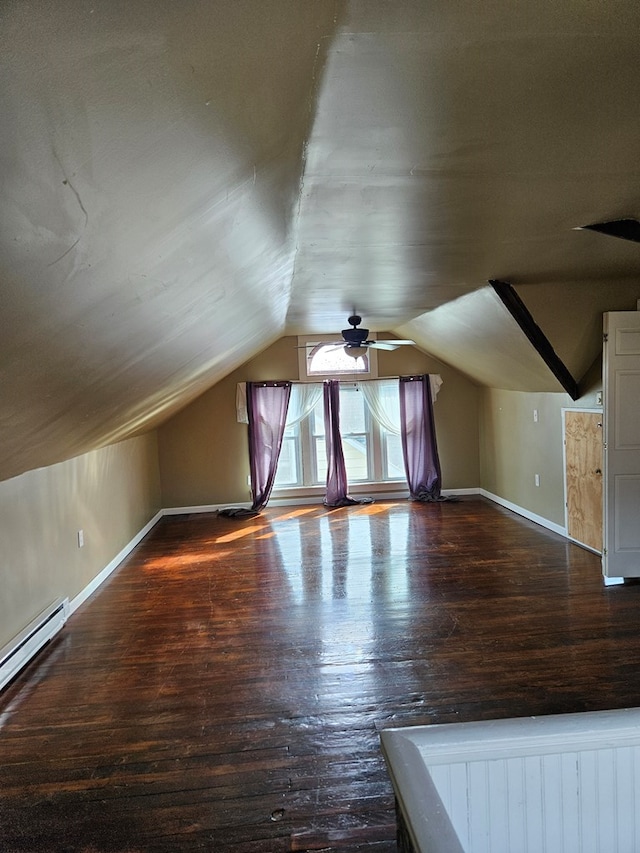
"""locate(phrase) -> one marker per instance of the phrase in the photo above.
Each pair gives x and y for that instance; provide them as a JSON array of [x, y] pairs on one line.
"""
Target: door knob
[[598, 471]]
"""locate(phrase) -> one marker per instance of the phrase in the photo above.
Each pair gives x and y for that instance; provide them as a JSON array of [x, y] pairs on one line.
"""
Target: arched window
[[331, 359], [326, 358]]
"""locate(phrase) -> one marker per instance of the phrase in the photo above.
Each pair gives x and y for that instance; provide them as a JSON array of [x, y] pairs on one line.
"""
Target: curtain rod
[[275, 383]]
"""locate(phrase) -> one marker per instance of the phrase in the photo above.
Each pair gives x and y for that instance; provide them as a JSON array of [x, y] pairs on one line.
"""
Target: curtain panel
[[303, 400], [422, 465], [381, 396], [267, 404], [337, 486], [269, 407]]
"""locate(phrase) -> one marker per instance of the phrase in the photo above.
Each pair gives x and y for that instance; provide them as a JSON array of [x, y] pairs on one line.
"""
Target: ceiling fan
[[355, 340]]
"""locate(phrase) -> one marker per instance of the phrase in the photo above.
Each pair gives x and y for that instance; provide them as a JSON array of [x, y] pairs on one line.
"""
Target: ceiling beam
[[536, 336], [626, 229]]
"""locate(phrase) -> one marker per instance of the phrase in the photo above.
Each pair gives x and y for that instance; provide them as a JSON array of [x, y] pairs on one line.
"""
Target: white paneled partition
[[558, 784]]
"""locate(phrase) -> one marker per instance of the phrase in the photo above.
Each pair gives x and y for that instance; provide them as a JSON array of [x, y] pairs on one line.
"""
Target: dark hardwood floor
[[225, 689]]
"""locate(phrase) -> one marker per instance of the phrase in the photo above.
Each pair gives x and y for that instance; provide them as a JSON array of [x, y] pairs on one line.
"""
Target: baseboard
[[301, 500], [525, 513], [289, 501], [100, 578], [17, 654], [307, 500], [188, 510]]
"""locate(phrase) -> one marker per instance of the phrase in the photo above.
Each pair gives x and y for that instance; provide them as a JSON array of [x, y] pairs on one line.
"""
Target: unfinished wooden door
[[583, 476]]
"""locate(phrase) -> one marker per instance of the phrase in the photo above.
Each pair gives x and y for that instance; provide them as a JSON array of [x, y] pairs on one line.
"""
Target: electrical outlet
[[80, 538], [535, 416]]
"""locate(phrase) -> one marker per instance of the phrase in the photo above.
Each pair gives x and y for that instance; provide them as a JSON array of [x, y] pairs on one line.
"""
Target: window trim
[[367, 433], [307, 342], [376, 447]]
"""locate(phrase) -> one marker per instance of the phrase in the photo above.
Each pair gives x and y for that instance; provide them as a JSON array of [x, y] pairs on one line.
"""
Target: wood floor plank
[[225, 689]]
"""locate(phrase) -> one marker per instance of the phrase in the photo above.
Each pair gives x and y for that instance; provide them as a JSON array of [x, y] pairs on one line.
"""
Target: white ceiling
[[183, 183]]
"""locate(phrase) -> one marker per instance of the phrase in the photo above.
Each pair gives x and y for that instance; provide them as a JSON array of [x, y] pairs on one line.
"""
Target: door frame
[[594, 410]]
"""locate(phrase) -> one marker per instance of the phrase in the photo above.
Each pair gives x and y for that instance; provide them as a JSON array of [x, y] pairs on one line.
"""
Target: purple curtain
[[418, 432], [337, 485], [267, 404]]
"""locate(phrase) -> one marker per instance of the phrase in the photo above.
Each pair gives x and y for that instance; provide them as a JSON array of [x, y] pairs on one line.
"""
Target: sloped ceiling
[[183, 183]]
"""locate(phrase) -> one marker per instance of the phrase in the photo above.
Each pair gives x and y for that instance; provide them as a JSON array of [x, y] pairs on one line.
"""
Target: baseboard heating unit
[[16, 654]]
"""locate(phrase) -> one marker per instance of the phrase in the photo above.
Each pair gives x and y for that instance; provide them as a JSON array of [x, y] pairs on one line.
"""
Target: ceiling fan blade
[[396, 343], [320, 344], [385, 345]]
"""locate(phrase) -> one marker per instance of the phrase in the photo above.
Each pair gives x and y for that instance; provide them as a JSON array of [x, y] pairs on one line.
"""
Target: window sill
[[389, 488]]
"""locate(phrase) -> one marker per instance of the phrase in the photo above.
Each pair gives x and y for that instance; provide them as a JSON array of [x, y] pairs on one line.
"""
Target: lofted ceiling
[[185, 182]]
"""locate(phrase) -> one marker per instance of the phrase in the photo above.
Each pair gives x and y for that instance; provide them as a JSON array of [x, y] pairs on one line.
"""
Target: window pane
[[317, 419], [393, 460], [390, 400], [359, 443], [327, 359], [356, 457], [287, 473], [320, 460], [352, 412]]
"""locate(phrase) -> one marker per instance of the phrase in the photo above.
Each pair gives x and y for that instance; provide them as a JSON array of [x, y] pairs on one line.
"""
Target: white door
[[621, 404]]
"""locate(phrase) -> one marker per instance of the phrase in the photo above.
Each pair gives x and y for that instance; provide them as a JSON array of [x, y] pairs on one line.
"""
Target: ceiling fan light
[[355, 352]]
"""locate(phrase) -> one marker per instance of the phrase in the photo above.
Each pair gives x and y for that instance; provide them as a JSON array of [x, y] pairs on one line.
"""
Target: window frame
[[376, 461], [366, 433], [308, 342]]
